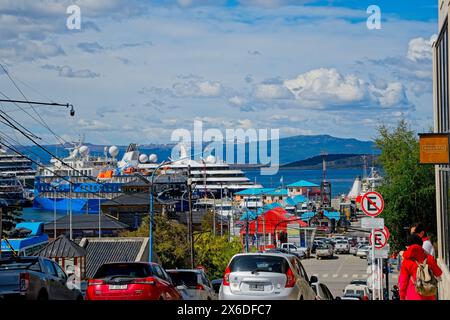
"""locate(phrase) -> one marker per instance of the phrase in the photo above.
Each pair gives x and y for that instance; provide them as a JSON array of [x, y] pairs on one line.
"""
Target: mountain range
[[291, 149]]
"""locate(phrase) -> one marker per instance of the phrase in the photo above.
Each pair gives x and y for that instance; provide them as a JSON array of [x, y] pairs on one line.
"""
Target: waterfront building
[[441, 112]]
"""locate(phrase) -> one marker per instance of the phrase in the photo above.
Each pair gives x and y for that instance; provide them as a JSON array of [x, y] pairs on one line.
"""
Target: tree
[[11, 215], [170, 240], [408, 188], [214, 253]]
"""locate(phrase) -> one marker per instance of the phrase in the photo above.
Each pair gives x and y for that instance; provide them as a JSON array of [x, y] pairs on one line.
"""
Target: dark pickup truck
[[34, 278]]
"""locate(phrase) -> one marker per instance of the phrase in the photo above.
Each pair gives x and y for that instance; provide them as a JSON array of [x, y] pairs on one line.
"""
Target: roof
[[330, 215], [251, 191], [62, 247], [293, 201], [35, 227], [18, 244], [104, 250], [85, 222], [303, 184], [138, 199], [276, 218]]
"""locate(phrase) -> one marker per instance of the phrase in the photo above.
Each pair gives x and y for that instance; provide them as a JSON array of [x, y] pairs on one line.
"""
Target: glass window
[[49, 268], [259, 263], [137, 270], [61, 274]]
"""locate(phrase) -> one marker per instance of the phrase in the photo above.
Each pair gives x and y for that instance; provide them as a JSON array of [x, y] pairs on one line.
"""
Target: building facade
[[441, 112]]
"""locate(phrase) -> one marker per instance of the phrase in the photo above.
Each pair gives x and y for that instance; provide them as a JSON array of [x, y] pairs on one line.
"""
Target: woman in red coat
[[415, 253]]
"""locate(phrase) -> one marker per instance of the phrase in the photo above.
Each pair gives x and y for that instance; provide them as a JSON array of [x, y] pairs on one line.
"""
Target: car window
[[136, 270], [188, 278], [205, 280], [302, 270], [49, 268], [166, 275], [158, 272], [260, 263], [61, 274]]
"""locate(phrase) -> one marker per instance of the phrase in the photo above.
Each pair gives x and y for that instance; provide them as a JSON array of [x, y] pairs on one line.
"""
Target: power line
[[40, 117]]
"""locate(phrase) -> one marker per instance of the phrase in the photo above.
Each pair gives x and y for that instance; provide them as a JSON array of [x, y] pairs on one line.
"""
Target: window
[[48, 267], [59, 271]]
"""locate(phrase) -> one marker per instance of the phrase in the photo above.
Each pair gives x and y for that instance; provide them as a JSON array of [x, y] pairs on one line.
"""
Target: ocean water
[[341, 179], [341, 182]]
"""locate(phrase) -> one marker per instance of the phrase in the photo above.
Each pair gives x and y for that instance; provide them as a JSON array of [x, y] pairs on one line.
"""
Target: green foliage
[[408, 188], [170, 241], [10, 217], [214, 253]]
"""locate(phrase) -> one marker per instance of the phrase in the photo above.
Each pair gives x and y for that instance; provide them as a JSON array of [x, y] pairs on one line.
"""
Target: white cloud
[[198, 88], [322, 88], [93, 125], [272, 91], [29, 50], [237, 101], [421, 49], [67, 72]]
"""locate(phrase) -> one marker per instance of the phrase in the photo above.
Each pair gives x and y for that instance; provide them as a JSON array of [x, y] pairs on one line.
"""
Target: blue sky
[[137, 70]]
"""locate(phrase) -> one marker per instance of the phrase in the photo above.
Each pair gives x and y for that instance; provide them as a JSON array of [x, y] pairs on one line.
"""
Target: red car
[[131, 281]]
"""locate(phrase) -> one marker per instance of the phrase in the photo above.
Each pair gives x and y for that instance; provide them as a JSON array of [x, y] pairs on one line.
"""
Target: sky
[[139, 69]]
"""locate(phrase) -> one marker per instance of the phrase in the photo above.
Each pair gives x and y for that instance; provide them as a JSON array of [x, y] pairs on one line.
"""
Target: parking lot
[[336, 273]]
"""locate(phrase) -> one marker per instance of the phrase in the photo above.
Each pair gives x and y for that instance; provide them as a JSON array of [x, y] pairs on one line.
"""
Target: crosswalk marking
[[335, 275], [345, 276], [354, 276], [325, 275]]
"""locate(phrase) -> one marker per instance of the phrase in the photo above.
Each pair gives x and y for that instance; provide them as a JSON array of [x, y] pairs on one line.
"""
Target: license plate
[[256, 287], [118, 287]]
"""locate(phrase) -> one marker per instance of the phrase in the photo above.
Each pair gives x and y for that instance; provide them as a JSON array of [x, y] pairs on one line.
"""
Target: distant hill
[[291, 149], [335, 161]]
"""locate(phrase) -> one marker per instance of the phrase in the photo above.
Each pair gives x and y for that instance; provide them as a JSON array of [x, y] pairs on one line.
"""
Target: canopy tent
[[269, 220]]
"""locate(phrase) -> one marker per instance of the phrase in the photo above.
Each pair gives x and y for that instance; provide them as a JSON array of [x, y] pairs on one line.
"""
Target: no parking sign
[[372, 203]]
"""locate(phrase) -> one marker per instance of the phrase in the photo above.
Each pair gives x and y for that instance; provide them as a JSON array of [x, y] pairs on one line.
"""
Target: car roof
[[273, 254], [185, 270]]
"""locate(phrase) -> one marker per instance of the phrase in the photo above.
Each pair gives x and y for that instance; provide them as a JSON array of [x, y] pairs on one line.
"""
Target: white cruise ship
[[210, 174], [13, 164]]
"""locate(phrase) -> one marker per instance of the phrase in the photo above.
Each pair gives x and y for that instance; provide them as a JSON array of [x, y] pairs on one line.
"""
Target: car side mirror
[[313, 279]]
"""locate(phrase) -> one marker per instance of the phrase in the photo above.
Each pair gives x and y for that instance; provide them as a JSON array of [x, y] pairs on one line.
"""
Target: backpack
[[426, 283]]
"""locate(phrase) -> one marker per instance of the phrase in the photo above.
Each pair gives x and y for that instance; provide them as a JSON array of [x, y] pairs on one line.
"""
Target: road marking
[[325, 275], [364, 276], [355, 276], [345, 276], [335, 275]]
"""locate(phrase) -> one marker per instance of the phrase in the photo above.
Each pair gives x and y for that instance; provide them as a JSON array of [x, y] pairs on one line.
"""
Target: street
[[336, 273]]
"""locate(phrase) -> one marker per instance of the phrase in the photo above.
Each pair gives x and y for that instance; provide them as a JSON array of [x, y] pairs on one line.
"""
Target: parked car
[[216, 283], [198, 285], [298, 254], [362, 252], [295, 249], [316, 243], [342, 246], [322, 291], [358, 289], [131, 281], [34, 278], [324, 251], [266, 276], [351, 297]]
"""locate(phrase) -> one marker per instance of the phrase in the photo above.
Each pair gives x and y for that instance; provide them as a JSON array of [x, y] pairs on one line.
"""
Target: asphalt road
[[336, 273]]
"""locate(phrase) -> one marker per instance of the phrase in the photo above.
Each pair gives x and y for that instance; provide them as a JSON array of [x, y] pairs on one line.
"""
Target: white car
[[266, 276], [358, 289], [193, 283], [322, 291], [342, 246], [363, 252]]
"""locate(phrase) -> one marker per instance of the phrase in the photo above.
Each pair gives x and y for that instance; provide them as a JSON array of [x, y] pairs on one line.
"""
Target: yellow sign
[[434, 148]]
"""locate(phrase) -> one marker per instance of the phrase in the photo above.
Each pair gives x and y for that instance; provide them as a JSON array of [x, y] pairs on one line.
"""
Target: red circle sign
[[381, 238], [372, 203]]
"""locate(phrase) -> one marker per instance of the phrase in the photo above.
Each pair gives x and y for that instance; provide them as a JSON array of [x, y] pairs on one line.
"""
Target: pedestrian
[[419, 229], [414, 285]]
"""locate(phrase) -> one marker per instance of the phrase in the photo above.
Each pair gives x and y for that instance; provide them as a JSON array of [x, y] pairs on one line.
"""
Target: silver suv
[[266, 276]]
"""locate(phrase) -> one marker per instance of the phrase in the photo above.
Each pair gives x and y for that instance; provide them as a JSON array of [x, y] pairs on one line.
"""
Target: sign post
[[372, 204]]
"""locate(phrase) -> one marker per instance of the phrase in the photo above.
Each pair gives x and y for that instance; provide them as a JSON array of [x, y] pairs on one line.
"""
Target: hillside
[[334, 161]]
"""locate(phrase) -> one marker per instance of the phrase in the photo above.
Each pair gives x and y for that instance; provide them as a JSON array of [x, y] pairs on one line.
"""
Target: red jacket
[[408, 272]]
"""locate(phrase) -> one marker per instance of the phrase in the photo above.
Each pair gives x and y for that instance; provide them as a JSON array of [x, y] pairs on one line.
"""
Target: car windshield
[[188, 278], [255, 263], [128, 270], [342, 242], [17, 264], [322, 246]]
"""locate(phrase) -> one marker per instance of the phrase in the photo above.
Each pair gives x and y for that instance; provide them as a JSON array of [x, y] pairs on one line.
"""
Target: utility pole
[[191, 221]]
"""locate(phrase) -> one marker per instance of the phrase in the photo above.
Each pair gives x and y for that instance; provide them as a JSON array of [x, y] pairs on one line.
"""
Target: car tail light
[[150, 281], [94, 282], [290, 279], [226, 277], [199, 287], [24, 281]]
